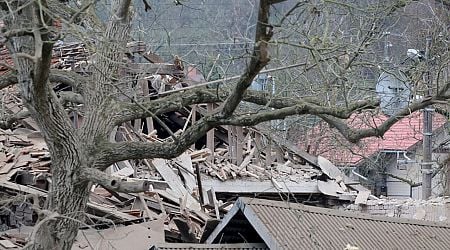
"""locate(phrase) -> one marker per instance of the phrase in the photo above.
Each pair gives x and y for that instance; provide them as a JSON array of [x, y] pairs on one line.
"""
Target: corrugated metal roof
[[285, 225], [187, 246]]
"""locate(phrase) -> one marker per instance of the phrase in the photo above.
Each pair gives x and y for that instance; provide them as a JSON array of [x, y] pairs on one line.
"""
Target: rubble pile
[[175, 196], [188, 195], [69, 56], [251, 168], [435, 209]]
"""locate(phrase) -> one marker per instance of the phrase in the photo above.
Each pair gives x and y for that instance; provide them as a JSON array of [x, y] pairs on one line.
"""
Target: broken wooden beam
[[124, 185]]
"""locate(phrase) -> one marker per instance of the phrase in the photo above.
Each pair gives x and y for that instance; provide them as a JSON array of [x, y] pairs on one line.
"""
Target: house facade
[[389, 166]]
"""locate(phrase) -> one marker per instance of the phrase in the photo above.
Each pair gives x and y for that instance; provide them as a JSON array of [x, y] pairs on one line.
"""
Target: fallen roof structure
[[191, 192], [286, 225]]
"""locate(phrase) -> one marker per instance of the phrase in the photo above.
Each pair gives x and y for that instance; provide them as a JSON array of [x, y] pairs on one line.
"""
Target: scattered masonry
[[435, 209]]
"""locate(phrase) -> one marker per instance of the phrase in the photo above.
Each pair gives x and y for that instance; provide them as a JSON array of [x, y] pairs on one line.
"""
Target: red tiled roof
[[60, 53], [322, 140], [4, 58]]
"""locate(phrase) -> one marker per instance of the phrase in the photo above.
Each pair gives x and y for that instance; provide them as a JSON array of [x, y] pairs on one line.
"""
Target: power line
[[230, 78], [201, 44]]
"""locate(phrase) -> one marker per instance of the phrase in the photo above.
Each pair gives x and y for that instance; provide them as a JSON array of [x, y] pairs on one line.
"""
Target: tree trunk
[[64, 208]]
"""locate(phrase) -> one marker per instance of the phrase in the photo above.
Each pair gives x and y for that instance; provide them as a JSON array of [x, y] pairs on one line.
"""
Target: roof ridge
[[339, 213]]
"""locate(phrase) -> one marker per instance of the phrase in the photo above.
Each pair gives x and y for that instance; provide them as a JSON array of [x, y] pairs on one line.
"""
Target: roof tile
[[406, 133]]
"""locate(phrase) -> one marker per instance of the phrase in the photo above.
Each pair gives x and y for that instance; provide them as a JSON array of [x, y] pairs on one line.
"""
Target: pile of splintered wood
[[25, 170], [175, 196], [24, 150], [254, 165], [174, 193], [69, 56]]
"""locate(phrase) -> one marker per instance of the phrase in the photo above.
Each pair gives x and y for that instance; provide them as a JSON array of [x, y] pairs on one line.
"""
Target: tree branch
[[409, 182], [72, 79], [131, 111], [8, 79], [68, 96], [99, 99], [291, 110], [8, 121], [177, 101], [259, 60], [114, 183], [109, 153], [354, 135], [114, 152]]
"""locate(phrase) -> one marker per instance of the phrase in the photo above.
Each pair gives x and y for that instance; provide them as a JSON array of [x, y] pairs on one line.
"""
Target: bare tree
[[80, 155]]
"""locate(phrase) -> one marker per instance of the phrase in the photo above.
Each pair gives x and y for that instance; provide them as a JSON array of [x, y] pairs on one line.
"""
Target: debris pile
[[175, 195], [69, 56], [435, 209], [251, 167], [187, 195]]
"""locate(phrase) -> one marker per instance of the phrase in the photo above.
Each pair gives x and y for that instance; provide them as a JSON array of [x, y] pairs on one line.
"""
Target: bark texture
[[80, 155]]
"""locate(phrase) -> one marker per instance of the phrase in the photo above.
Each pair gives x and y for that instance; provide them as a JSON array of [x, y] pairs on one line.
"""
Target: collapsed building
[[191, 190], [187, 196]]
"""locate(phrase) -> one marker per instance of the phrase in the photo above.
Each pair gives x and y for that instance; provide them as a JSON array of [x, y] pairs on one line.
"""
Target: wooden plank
[[137, 125], [303, 154], [200, 153], [6, 168], [111, 211], [279, 155], [22, 188], [247, 160], [251, 174], [239, 145], [187, 171], [210, 135], [174, 182], [246, 187], [249, 141], [153, 57], [193, 119], [362, 197], [150, 214], [258, 145], [213, 201], [199, 184], [146, 93], [268, 153], [232, 144], [7, 244]]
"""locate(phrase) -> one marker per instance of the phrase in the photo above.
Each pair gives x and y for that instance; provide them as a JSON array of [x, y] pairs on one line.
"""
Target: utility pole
[[427, 130], [387, 45]]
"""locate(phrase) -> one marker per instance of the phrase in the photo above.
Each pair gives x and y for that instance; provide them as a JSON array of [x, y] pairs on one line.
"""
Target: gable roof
[[283, 225], [402, 136], [191, 246]]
